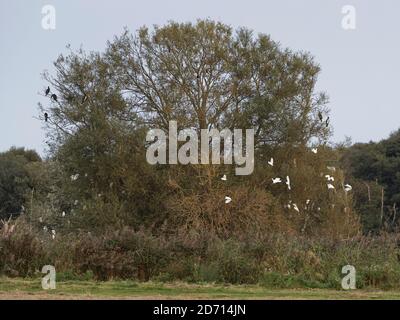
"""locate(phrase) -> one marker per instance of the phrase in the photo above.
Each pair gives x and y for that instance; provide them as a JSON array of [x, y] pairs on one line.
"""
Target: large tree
[[202, 75]]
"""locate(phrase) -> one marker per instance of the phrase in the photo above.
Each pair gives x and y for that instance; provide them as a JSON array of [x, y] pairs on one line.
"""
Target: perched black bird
[[46, 116], [327, 122], [320, 116], [54, 97], [47, 91]]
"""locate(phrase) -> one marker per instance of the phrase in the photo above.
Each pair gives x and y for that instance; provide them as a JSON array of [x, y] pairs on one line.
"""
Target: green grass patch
[[80, 289]]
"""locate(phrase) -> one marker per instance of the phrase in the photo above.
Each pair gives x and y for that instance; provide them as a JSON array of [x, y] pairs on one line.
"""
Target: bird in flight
[[276, 180], [54, 97], [288, 182], [329, 178], [347, 187], [47, 91]]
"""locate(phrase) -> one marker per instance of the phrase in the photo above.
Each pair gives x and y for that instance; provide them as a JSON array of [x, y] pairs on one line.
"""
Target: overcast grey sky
[[360, 67]]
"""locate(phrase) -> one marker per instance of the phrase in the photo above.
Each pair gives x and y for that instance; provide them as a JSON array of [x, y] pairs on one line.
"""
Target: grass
[[31, 289]]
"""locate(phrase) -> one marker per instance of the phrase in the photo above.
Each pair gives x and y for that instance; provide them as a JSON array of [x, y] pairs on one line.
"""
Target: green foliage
[[96, 189], [15, 180], [375, 167]]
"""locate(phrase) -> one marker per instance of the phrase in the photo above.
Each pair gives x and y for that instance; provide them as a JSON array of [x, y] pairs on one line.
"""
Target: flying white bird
[[223, 177], [276, 180], [330, 186], [271, 162], [74, 177], [314, 150], [227, 199], [347, 187], [329, 178], [288, 182]]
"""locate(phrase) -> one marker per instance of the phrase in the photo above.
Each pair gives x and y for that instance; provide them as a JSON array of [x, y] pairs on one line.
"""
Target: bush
[[122, 254], [22, 253]]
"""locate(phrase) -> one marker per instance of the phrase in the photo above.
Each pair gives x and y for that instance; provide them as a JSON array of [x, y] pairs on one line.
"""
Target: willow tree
[[202, 75], [206, 75]]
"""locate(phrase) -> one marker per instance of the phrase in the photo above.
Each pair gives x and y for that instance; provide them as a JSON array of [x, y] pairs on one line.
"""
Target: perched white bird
[[76, 202], [329, 178], [40, 219], [347, 187], [74, 177], [223, 177], [319, 209], [45, 228], [271, 162], [308, 201], [228, 199], [314, 150], [330, 186], [288, 182], [276, 180], [63, 214], [333, 169], [295, 207], [53, 231]]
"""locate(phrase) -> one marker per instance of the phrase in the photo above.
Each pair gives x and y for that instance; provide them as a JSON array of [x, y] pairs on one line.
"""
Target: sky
[[360, 67]]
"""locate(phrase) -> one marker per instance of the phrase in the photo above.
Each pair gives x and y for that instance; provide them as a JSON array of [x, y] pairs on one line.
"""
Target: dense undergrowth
[[272, 261]]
